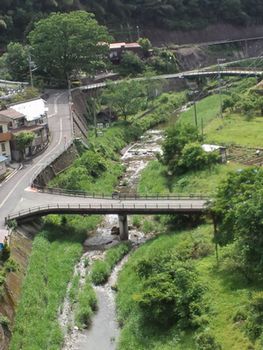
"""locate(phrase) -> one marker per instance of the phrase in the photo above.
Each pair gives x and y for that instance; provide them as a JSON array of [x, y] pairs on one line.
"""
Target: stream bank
[[104, 330]]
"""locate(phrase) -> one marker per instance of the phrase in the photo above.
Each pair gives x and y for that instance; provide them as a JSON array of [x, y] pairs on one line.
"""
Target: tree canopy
[[239, 212], [65, 43], [16, 17]]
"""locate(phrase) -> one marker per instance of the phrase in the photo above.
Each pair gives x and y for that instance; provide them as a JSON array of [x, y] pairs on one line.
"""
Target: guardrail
[[103, 207], [119, 195]]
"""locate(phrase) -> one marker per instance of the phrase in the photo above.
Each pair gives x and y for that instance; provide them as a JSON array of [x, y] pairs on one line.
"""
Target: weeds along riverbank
[[58, 247], [229, 304]]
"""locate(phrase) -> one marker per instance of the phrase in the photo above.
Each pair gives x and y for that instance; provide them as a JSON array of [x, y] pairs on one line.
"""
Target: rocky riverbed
[[104, 330]]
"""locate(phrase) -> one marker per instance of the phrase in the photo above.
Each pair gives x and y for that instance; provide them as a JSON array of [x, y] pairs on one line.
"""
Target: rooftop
[[32, 109], [125, 45], [11, 113]]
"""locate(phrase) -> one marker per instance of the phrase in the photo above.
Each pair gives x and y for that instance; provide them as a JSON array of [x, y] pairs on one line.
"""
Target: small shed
[[3, 161], [212, 148]]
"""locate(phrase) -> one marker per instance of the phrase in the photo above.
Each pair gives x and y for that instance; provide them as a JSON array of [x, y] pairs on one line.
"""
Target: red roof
[[125, 45]]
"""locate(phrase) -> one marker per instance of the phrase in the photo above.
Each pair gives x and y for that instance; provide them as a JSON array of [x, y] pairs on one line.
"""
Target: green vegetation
[[65, 31], [232, 299], [226, 291], [55, 252], [86, 305], [238, 210], [182, 150], [97, 170], [101, 269], [226, 132], [23, 140], [154, 179], [18, 18], [207, 110]]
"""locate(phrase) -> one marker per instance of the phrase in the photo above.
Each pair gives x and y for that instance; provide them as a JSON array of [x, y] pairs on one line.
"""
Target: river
[[104, 331]]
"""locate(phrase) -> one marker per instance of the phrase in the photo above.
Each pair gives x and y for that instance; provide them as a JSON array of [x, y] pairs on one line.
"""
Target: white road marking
[[37, 164]]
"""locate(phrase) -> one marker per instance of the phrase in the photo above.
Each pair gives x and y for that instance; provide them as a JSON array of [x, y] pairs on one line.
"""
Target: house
[[3, 160], [118, 49], [28, 116], [5, 137]]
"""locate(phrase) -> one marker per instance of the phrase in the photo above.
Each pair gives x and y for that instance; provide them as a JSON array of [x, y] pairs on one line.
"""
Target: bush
[[170, 292], [131, 64], [83, 316], [101, 269], [4, 321], [87, 304], [254, 324], [100, 272], [206, 341]]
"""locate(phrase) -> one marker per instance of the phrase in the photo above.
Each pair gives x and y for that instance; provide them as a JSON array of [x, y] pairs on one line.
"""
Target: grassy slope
[[208, 109], [225, 295], [226, 292], [235, 129], [49, 271], [202, 182]]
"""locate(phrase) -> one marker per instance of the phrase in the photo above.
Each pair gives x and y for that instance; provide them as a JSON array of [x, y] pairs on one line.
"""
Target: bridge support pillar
[[123, 225]]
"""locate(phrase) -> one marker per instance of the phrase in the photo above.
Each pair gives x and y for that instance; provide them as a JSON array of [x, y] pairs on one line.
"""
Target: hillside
[[17, 17]]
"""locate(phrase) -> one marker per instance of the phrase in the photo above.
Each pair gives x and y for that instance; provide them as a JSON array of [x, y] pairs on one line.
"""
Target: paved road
[[12, 192]]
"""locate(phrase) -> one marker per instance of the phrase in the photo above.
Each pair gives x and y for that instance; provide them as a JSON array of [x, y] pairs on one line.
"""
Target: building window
[[1, 128], [3, 148]]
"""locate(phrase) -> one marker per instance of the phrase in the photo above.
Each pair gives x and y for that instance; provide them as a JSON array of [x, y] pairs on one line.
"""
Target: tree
[[66, 43], [175, 140], [24, 140], [125, 98], [131, 64], [16, 61], [145, 45], [238, 209], [193, 157], [170, 292]]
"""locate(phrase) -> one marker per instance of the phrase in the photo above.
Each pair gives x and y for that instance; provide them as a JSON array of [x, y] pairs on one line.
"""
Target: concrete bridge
[[245, 72], [46, 201]]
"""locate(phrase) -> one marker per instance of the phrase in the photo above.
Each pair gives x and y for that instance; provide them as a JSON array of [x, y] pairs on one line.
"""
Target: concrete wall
[[57, 166], [21, 240]]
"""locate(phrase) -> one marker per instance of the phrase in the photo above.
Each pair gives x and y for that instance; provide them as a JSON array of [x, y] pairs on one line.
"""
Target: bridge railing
[[107, 207], [118, 195]]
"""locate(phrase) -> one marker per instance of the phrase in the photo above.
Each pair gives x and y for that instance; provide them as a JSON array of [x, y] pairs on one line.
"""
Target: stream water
[[104, 331]]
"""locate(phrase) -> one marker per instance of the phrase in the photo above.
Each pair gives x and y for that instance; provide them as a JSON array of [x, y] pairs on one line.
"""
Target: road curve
[[12, 192]]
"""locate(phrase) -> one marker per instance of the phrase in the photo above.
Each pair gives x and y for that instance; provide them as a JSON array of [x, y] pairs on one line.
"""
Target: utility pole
[[219, 60], [195, 113], [138, 32], [95, 113], [30, 70], [70, 105]]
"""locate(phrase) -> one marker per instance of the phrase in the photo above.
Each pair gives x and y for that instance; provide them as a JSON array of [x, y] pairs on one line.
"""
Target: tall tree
[[66, 43]]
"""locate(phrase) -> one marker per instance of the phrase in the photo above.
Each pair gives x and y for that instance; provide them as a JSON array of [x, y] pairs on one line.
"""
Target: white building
[[29, 116]]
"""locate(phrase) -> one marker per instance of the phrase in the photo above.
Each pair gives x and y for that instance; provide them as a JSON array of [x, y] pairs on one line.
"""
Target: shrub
[[206, 341], [87, 304], [101, 269], [100, 272], [254, 324], [4, 321], [170, 292], [83, 316], [73, 292], [131, 64]]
